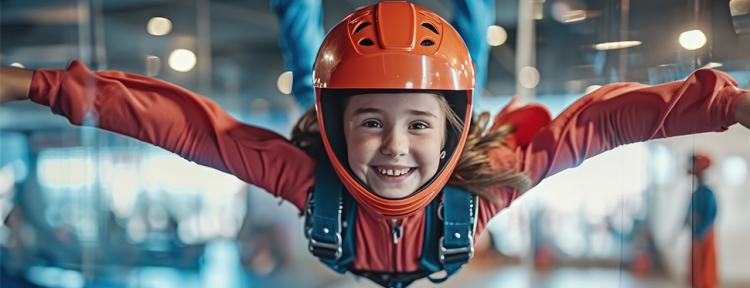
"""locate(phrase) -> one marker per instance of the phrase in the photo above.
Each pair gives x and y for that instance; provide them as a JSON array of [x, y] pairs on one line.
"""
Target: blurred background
[[86, 208]]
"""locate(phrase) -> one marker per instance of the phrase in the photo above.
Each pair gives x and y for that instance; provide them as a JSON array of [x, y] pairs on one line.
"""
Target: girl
[[393, 130]]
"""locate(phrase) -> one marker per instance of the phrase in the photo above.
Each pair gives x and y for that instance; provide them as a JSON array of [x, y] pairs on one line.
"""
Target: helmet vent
[[427, 42], [366, 42], [430, 26], [361, 26]]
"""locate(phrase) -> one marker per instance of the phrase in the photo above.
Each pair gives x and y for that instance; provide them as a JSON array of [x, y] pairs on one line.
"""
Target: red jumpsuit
[[199, 130]]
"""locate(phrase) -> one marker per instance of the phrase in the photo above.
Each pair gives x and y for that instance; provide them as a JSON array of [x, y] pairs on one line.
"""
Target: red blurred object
[[699, 162], [544, 258], [641, 264], [703, 271]]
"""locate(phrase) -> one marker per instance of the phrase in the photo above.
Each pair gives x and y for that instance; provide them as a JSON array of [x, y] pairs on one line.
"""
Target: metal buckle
[[336, 247], [440, 211], [455, 251], [313, 246]]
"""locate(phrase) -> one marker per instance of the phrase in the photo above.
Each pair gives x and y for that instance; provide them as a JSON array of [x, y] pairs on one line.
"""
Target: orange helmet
[[699, 162], [392, 46]]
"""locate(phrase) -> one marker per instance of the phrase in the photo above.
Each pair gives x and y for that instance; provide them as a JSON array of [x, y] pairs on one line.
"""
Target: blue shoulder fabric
[[471, 19], [300, 35]]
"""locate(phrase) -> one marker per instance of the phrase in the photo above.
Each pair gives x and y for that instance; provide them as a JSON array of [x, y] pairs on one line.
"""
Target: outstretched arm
[[622, 113], [14, 83], [178, 120], [614, 115]]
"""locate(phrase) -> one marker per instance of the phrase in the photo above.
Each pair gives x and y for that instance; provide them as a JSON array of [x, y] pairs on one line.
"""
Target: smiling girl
[[387, 166], [394, 141]]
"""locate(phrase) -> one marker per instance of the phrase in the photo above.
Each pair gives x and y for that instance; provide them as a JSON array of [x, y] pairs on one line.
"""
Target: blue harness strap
[[454, 247], [329, 224], [323, 223]]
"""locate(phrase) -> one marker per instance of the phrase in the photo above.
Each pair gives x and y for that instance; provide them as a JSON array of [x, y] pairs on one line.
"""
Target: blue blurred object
[[301, 26], [14, 151], [702, 211], [471, 19]]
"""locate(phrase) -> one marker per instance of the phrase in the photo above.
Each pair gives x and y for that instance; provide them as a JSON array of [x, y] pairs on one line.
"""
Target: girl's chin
[[391, 194]]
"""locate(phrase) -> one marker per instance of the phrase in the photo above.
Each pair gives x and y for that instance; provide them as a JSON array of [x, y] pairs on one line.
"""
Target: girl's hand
[[14, 83], [742, 114]]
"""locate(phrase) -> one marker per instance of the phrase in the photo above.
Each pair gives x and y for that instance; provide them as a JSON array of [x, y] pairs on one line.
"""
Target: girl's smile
[[393, 174]]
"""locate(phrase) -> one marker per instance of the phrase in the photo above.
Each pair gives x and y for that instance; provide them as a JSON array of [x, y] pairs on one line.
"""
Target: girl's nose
[[395, 144]]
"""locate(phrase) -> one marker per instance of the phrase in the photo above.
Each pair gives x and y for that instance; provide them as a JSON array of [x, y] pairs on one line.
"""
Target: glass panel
[[85, 207]]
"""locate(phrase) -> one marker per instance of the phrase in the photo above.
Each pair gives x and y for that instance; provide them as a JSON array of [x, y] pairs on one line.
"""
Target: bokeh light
[[182, 60], [159, 26], [693, 39]]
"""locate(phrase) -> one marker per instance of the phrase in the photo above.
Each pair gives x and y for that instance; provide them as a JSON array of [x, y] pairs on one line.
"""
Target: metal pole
[[525, 47], [203, 35]]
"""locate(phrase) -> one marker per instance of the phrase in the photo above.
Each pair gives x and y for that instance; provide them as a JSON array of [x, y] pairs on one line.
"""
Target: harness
[[450, 223]]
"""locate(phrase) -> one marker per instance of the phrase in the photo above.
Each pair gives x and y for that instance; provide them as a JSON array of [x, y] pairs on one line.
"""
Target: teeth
[[393, 172]]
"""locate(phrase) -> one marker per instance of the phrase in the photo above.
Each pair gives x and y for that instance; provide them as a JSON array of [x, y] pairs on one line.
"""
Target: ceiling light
[[182, 60], [693, 39], [713, 65], [528, 77], [496, 35], [616, 45], [574, 16], [284, 83], [159, 26]]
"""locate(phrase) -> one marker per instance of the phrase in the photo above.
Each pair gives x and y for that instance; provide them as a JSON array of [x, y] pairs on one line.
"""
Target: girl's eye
[[419, 125], [372, 124]]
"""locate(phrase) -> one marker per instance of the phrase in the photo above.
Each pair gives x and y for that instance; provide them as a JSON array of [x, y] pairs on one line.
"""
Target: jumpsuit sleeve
[[177, 120], [614, 115], [624, 113]]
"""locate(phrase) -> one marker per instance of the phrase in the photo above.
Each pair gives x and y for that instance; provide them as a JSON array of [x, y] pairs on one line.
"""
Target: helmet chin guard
[[392, 47]]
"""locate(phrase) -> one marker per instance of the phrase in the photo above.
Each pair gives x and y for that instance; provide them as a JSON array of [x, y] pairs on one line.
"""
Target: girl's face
[[394, 140]]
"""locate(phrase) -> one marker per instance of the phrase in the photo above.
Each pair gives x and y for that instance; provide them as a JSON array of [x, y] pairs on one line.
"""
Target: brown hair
[[472, 172]]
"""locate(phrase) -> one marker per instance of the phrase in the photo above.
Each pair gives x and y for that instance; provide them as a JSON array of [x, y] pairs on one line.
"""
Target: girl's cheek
[[363, 144], [427, 142]]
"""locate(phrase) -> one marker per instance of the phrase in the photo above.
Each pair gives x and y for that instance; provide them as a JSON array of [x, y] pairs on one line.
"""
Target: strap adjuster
[[326, 250], [452, 255]]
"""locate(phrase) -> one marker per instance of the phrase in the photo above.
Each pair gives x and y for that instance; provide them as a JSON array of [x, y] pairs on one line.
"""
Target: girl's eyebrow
[[364, 110]]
